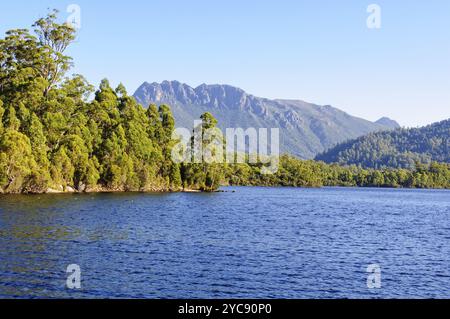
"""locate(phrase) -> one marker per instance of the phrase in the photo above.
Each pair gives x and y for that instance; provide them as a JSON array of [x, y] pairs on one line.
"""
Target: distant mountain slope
[[399, 148], [388, 123], [306, 129]]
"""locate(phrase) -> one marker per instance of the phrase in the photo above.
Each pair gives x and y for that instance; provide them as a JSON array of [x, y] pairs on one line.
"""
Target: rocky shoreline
[[99, 190]]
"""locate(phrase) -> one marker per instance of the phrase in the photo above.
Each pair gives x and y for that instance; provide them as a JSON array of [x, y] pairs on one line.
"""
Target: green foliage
[[401, 148], [2, 112], [54, 138], [204, 174], [10, 119], [54, 38], [154, 129], [17, 163], [297, 173], [62, 170]]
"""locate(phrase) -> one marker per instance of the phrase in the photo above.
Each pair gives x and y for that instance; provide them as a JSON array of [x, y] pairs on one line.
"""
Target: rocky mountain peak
[[216, 96]]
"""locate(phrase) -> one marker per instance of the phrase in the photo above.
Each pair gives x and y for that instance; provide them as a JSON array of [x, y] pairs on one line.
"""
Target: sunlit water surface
[[244, 243]]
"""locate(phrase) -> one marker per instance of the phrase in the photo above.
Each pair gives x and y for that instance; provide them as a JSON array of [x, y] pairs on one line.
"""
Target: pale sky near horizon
[[319, 51]]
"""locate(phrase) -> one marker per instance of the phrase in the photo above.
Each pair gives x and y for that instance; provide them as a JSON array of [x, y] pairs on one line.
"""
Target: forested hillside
[[59, 134], [401, 148]]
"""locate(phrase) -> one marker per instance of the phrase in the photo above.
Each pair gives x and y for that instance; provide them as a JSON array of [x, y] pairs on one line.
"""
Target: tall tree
[[17, 162], [2, 112], [10, 119], [54, 38]]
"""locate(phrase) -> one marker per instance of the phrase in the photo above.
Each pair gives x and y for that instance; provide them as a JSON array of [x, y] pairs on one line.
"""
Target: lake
[[243, 243]]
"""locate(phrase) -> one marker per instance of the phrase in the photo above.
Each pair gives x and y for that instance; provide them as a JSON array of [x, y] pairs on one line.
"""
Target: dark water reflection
[[254, 243]]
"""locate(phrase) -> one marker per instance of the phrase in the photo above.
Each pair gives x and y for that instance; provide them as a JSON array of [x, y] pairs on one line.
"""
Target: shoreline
[[72, 191], [195, 191]]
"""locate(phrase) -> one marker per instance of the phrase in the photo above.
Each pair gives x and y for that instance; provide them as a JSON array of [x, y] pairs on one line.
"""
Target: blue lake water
[[244, 243]]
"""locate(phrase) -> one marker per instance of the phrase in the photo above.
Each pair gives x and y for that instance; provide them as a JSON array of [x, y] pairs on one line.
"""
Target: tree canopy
[[401, 148]]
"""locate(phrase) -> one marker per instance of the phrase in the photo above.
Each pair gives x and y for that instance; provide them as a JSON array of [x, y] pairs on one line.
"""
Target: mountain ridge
[[307, 129]]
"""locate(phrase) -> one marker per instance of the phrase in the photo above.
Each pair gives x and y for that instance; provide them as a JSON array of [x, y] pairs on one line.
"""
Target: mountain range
[[306, 129]]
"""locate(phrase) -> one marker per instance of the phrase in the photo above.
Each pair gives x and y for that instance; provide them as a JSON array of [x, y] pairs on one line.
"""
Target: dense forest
[[402, 148], [53, 139], [59, 134], [298, 173]]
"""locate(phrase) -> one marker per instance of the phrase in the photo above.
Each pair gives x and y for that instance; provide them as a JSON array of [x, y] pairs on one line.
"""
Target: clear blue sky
[[320, 51]]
